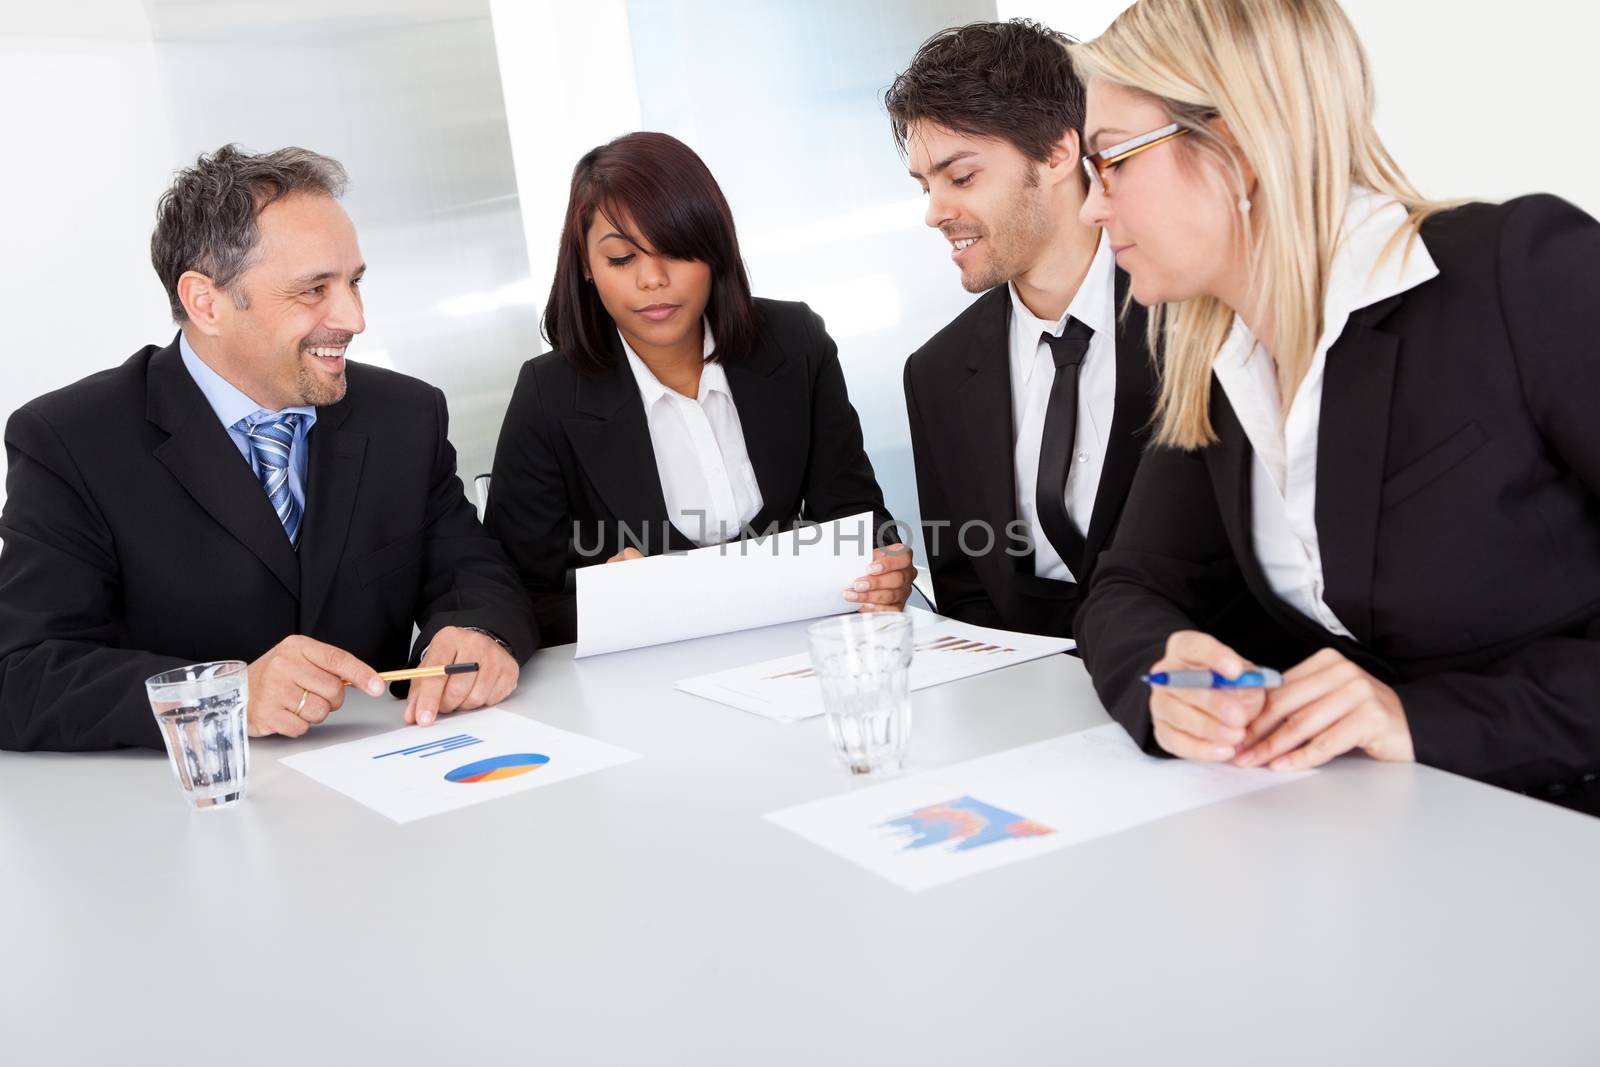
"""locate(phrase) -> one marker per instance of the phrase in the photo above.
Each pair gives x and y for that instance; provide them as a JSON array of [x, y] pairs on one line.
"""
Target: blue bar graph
[[434, 748]]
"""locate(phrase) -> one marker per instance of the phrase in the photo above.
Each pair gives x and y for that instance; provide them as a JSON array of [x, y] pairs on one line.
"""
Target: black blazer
[[575, 473], [958, 400], [137, 540], [1457, 505]]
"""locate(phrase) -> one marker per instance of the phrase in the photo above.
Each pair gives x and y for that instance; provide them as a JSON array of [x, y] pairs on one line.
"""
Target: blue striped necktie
[[271, 439]]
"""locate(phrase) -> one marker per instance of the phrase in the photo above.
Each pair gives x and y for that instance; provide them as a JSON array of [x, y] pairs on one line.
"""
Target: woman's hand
[[887, 584], [1327, 706], [1208, 725], [626, 554]]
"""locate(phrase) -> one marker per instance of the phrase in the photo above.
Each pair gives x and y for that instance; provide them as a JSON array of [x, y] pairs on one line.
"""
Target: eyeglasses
[[1097, 164]]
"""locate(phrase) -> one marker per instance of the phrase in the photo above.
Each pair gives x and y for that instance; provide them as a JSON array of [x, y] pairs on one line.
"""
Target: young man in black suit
[[242, 494], [1028, 412]]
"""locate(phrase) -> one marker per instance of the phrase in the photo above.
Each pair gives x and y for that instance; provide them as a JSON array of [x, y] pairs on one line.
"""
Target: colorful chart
[[964, 823], [497, 767]]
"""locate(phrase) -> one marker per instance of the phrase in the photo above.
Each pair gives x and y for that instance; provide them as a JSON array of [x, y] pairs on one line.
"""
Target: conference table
[[650, 914]]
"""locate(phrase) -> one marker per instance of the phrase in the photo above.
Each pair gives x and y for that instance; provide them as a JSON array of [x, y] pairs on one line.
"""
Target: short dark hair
[[1008, 80], [657, 183], [206, 221]]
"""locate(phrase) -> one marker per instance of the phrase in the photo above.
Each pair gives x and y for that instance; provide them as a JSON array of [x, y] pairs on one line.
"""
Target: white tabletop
[[650, 914]]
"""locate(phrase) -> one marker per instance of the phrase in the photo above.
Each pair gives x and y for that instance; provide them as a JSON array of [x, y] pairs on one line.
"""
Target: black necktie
[[1056, 446]]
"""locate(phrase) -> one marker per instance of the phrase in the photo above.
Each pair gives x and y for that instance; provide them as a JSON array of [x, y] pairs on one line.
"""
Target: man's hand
[[494, 680], [300, 682], [887, 584]]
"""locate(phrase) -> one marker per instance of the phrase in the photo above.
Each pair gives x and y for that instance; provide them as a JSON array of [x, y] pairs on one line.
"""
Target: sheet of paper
[[461, 760], [936, 826], [786, 689], [801, 574]]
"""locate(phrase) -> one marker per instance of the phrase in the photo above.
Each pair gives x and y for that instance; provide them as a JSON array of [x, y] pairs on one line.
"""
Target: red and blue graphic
[[495, 768], [963, 824]]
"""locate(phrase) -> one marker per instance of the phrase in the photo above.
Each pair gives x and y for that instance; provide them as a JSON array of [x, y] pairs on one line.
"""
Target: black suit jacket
[[1457, 506], [958, 400], [136, 539], [575, 478]]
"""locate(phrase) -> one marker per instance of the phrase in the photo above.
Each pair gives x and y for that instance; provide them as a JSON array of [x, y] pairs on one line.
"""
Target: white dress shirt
[[1033, 372], [1283, 479], [705, 471]]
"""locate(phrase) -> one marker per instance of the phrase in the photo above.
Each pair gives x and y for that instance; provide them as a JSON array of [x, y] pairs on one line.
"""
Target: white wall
[[87, 153], [1484, 98], [556, 109], [1481, 99]]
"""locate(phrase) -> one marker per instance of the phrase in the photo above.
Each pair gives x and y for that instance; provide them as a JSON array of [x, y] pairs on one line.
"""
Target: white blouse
[[706, 477], [1284, 476]]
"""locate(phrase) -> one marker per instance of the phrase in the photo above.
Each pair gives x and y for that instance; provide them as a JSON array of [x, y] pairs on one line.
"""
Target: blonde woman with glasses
[[1377, 421]]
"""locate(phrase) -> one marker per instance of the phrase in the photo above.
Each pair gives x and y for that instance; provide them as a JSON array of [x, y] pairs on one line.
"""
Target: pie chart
[[497, 767]]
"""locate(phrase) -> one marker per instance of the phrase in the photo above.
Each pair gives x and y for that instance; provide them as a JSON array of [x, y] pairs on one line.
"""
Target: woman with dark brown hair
[[676, 410]]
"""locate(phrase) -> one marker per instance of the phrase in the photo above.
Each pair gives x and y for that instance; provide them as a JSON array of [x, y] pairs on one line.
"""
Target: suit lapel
[[333, 474], [769, 389], [611, 440], [1352, 440], [986, 408], [1137, 383], [206, 462], [1232, 464]]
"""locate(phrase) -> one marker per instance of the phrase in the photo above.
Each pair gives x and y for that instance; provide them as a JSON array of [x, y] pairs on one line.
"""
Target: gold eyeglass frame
[[1096, 164]]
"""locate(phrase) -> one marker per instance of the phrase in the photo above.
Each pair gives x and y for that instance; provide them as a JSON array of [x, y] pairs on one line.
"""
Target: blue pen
[[1265, 678]]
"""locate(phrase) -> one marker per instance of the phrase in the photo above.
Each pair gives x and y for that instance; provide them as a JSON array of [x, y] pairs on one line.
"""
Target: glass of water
[[202, 711], [864, 665]]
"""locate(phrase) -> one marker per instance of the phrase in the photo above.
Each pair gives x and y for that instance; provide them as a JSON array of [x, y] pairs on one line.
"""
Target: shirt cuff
[[477, 630]]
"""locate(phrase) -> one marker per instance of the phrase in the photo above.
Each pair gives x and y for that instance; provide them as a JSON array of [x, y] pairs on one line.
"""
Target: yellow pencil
[[411, 674]]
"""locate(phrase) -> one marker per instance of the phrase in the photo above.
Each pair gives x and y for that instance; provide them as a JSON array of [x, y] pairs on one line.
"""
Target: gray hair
[[206, 222]]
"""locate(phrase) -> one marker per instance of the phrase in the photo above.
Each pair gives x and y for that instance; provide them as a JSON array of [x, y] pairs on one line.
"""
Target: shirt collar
[[712, 377], [1373, 261], [226, 399], [1094, 305]]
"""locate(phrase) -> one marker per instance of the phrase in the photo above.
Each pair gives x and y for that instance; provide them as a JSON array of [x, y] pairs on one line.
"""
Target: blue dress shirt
[[231, 405]]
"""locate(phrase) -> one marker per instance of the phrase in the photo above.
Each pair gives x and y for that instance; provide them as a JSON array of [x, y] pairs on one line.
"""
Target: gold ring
[[298, 708]]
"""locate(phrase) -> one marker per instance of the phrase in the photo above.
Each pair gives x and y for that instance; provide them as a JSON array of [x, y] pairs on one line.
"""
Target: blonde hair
[[1289, 80]]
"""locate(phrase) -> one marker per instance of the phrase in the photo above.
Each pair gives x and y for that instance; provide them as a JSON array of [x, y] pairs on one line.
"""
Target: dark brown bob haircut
[[656, 183], [1011, 81]]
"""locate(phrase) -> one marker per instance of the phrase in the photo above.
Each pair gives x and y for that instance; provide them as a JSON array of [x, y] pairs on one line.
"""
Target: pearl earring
[[1244, 205]]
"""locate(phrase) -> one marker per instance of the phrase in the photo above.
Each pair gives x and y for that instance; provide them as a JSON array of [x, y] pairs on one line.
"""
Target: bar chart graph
[[434, 748]]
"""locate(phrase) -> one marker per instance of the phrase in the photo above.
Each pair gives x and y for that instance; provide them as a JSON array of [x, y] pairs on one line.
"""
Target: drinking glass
[[863, 663], [202, 712]]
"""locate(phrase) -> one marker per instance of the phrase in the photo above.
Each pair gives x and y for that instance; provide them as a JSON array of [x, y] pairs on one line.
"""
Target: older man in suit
[[242, 493]]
